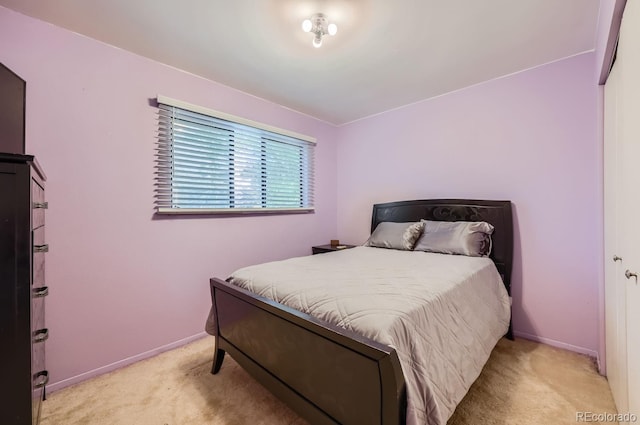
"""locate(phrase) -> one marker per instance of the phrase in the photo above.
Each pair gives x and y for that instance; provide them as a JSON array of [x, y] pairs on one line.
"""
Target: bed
[[336, 372]]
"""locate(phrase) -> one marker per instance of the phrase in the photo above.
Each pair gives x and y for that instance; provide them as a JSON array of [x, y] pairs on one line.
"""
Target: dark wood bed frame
[[325, 373]]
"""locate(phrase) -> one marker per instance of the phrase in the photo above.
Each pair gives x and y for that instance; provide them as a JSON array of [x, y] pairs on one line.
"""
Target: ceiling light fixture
[[319, 25]]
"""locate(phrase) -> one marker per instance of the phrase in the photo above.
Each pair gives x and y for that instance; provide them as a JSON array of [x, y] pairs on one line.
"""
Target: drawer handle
[[42, 205], [40, 379], [41, 335], [41, 248], [43, 291]]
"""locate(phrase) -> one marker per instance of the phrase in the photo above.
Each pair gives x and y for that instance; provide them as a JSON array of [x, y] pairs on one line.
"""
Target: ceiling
[[386, 54]]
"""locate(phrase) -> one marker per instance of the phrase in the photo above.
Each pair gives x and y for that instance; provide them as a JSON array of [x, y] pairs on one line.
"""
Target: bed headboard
[[497, 213]]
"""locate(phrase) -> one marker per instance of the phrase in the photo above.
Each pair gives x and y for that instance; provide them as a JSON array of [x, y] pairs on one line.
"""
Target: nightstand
[[321, 249]]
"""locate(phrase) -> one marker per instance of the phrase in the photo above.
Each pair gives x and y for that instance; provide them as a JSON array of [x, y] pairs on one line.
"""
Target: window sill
[[232, 211]]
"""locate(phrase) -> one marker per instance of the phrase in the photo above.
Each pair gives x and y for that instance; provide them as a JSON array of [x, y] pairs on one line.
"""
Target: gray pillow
[[395, 235], [472, 238]]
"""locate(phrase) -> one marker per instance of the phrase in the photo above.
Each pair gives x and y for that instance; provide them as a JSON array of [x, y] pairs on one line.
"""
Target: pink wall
[[124, 285], [529, 137]]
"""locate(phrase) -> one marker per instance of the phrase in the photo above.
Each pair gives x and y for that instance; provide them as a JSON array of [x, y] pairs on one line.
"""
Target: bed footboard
[[327, 374]]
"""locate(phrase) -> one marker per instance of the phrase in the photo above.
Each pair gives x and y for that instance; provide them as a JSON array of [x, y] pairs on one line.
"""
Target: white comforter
[[442, 313]]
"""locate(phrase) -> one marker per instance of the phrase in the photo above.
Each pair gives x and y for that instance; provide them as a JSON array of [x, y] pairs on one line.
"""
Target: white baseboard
[[601, 369], [122, 363], [563, 345]]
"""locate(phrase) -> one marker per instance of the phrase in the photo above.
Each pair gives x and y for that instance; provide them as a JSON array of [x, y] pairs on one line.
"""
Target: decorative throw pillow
[[471, 238], [392, 235]]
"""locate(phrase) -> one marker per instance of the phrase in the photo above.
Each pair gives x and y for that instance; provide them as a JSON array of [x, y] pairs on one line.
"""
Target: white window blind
[[211, 162]]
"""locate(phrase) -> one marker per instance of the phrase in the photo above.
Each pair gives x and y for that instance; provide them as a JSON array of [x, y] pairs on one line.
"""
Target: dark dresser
[[22, 289]]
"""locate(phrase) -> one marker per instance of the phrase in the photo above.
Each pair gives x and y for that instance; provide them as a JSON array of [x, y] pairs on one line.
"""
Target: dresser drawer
[[40, 249], [38, 204], [39, 381], [39, 335], [38, 269], [37, 359], [38, 238], [37, 314]]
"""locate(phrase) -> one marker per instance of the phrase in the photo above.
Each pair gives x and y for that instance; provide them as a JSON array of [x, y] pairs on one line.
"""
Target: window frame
[[163, 181]]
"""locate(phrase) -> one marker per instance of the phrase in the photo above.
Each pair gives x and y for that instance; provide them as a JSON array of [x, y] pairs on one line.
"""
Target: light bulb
[[317, 41], [306, 25], [333, 29]]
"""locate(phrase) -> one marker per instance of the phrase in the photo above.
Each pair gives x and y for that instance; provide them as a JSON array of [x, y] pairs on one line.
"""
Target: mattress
[[442, 313]]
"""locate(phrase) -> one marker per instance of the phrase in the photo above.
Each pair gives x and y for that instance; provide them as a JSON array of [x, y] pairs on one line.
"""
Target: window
[[211, 162]]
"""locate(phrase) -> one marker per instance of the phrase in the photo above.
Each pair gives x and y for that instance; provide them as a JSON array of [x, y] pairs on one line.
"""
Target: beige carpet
[[523, 383]]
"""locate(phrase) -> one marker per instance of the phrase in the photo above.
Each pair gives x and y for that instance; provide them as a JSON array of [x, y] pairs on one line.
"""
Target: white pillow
[[471, 238], [392, 235]]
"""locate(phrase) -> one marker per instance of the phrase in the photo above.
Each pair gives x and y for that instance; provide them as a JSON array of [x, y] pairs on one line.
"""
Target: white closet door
[[615, 289], [629, 53]]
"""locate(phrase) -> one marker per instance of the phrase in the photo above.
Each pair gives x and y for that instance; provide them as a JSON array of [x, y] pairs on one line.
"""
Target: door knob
[[629, 274], [616, 258]]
